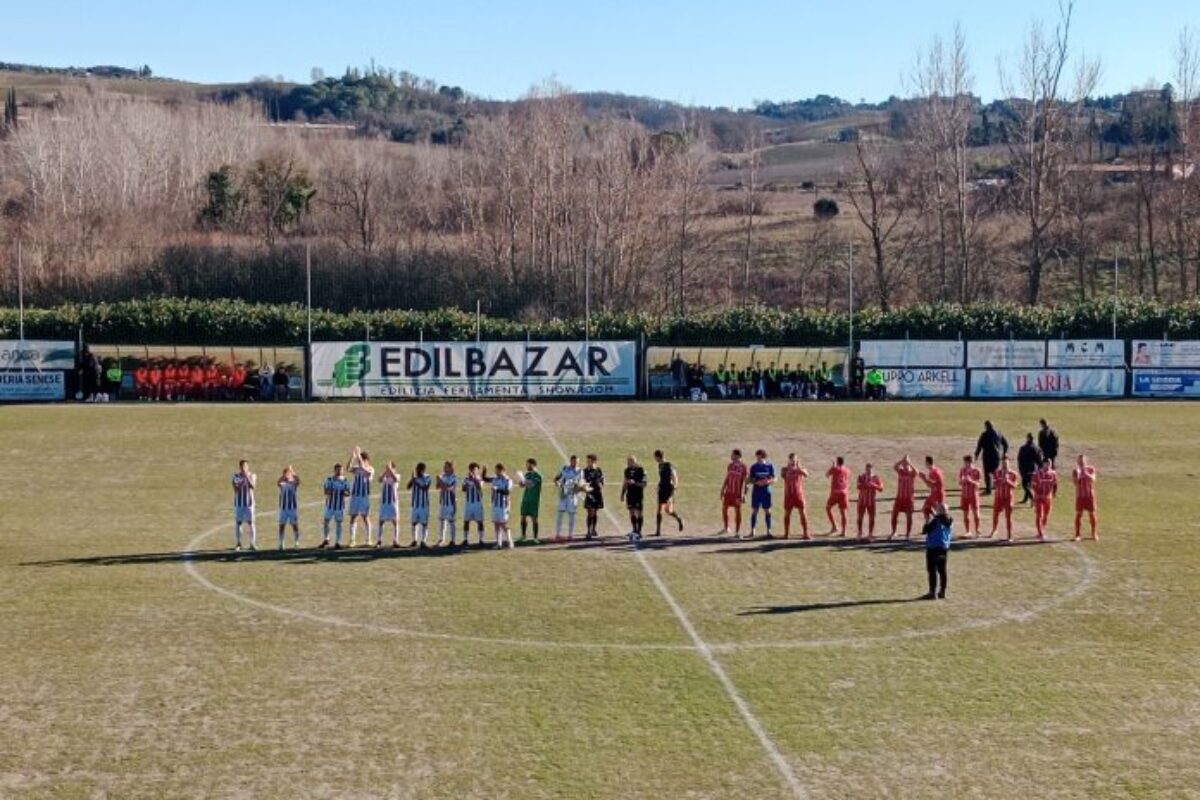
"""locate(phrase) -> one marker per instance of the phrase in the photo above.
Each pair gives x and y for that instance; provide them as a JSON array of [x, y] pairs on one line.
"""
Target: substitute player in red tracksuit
[[936, 481], [793, 496], [839, 494], [1045, 487], [906, 490], [969, 479], [733, 492], [869, 487], [1084, 478], [1006, 481]]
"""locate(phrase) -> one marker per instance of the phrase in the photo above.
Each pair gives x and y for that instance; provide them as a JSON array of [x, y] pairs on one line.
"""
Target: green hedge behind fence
[[216, 322]]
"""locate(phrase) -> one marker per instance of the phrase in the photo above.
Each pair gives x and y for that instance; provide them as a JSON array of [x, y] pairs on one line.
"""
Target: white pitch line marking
[[706, 652]]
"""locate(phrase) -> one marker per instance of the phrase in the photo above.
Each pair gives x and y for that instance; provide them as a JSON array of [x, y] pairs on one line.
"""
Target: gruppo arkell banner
[[474, 370], [925, 381]]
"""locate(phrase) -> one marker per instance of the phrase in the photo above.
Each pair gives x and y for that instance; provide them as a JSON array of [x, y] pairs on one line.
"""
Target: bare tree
[[874, 194], [1040, 149]]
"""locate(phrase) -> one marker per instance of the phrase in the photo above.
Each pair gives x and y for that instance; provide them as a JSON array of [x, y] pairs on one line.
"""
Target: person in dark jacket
[[990, 448], [90, 374], [938, 536], [1047, 440], [1029, 458]]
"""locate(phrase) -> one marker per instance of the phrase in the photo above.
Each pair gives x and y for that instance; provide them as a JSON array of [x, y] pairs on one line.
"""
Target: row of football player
[[761, 476], [755, 479], [348, 490]]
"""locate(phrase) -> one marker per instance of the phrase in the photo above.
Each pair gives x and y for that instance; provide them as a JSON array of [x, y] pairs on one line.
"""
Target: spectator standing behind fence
[[990, 448], [281, 383], [1029, 458], [1047, 441], [938, 536], [89, 375], [679, 370]]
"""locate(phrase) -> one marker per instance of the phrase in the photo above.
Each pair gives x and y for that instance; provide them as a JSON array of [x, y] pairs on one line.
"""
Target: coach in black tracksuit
[[990, 448], [1048, 442], [1029, 458]]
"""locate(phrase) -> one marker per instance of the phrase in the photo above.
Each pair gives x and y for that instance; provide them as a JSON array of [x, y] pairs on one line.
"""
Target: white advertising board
[[1047, 383], [1006, 354], [474, 370], [37, 354], [925, 382], [23, 386], [1153, 353], [911, 353], [1085, 353]]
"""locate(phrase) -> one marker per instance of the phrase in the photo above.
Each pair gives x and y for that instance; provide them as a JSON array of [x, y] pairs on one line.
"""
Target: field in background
[[1054, 670]]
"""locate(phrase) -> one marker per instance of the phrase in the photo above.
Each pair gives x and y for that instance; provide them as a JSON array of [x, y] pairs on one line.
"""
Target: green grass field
[[698, 667]]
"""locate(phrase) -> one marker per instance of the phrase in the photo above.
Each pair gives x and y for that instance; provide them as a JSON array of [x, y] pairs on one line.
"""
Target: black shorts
[[593, 501], [634, 500], [665, 494]]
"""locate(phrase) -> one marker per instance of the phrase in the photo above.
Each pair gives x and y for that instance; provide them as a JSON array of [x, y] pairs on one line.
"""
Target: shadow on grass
[[732, 546], [801, 608]]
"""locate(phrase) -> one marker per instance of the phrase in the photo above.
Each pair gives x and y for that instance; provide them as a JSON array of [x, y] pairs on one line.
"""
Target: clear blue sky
[[702, 51]]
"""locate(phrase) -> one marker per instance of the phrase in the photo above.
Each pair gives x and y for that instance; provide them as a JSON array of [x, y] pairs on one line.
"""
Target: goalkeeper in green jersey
[[531, 499]]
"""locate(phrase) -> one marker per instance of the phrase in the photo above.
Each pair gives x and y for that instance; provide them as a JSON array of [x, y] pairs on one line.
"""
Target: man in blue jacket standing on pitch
[[938, 535]]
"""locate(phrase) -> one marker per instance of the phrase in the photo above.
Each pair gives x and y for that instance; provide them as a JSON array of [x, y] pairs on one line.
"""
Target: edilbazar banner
[[23, 386], [1152, 353], [1166, 383], [911, 353], [474, 370], [925, 382], [38, 354], [1085, 353], [1047, 383], [1006, 354]]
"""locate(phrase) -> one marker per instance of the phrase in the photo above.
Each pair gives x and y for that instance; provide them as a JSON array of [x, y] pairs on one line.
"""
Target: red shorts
[[730, 502], [931, 503], [1002, 504], [866, 507], [841, 500], [1085, 504], [902, 504], [969, 501], [794, 505]]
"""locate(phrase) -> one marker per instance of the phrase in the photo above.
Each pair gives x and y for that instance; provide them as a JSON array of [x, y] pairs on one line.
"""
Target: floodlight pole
[[308, 288], [1116, 291], [850, 284], [20, 295]]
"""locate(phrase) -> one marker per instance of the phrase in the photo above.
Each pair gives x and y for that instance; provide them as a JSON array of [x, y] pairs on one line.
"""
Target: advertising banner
[[1006, 354], [911, 353], [1151, 353], [1165, 383], [22, 386], [925, 382], [36, 354], [474, 370], [1085, 353], [1047, 383]]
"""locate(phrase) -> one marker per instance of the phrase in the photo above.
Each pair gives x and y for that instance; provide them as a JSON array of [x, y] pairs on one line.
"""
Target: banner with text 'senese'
[[23, 386], [392, 370], [1047, 383], [1166, 383]]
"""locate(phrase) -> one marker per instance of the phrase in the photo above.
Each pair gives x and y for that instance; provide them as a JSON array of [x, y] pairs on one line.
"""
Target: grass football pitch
[[695, 667]]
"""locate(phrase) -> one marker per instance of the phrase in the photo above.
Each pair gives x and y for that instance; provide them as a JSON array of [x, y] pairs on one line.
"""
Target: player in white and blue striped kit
[[289, 505], [243, 505], [447, 482], [336, 491], [419, 483], [501, 501], [360, 493], [389, 505], [473, 501]]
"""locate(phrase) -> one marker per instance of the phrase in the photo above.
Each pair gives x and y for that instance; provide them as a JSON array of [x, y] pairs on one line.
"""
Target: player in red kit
[[1084, 478], [1045, 487], [906, 489], [969, 478], [936, 481], [869, 487], [733, 492], [793, 496], [1005, 480], [839, 494]]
